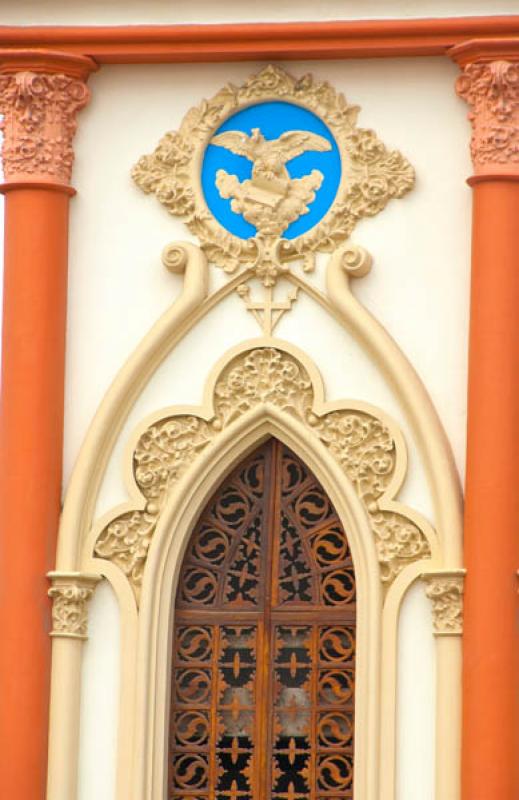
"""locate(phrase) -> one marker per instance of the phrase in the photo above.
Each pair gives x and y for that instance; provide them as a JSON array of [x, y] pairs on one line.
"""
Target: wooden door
[[262, 691]]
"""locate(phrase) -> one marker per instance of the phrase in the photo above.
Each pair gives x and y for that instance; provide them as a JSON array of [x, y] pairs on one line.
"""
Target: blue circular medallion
[[268, 162]]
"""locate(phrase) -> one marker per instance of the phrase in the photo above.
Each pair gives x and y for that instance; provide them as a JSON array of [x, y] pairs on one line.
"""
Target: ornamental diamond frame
[[371, 174]]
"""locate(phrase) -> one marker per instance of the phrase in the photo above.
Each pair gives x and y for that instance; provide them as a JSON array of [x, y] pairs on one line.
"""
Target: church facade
[[260, 380]]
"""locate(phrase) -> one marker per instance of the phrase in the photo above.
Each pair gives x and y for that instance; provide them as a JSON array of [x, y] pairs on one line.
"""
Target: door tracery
[[262, 702]]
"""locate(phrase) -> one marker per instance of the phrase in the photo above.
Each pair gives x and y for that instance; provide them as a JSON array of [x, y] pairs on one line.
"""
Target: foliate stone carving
[[492, 91], [71, 593], [445, 590], [39, 124], [372, 175], [361, 444]]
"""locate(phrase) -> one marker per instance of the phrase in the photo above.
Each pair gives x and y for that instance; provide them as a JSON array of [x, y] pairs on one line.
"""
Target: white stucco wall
[[131, 12], [418, 288]]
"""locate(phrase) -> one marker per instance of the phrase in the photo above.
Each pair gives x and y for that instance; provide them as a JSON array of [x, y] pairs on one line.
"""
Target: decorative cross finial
[[269, 311]]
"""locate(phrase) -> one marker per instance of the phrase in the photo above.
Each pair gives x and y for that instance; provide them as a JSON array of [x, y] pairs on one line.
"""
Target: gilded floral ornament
[[271, 199], [361, 444]]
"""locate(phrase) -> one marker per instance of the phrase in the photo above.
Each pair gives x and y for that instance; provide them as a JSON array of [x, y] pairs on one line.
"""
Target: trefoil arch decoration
[[365, 444]]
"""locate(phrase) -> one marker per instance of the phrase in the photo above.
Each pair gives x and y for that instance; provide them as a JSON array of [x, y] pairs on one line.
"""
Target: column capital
[[445, 590], [71, 593], [489, 83], [41, 92]]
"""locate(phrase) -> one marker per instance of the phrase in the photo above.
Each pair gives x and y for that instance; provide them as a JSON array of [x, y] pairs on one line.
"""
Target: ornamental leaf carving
[[71, 594], [446, 594], [492, 92], [360, 443], [372, 175], [39, 124]]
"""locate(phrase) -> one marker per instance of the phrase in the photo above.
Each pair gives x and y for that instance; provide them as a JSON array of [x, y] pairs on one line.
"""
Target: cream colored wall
[[131, 12], [418, 288]]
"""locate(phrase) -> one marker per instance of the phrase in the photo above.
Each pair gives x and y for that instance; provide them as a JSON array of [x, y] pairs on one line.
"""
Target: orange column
[[40, 94], [490, 84]]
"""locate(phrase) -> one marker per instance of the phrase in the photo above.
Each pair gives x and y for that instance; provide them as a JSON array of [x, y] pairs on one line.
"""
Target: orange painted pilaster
[[490, 770], [40, 94]]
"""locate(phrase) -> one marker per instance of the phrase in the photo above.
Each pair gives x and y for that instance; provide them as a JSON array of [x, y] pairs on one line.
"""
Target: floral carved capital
[[492, 91], [39, 124], [71, 593], [445, 590]]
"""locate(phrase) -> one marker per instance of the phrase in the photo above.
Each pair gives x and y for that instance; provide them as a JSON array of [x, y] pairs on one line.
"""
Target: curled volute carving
[[360, 443], [39, 124], [71, 593], [492, 92], [445, 590]]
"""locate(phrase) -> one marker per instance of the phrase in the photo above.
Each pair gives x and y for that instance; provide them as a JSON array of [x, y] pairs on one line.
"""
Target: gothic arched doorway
[[262, 693]]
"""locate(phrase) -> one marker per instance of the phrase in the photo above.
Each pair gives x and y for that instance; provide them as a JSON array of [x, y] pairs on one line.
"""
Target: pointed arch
[[157, 613], [263, 672], [317, 435]]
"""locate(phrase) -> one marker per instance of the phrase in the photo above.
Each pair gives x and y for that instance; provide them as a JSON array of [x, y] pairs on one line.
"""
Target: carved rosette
[[71, 593], [492, 92], [39, 124], [362, 445], [445, 590]]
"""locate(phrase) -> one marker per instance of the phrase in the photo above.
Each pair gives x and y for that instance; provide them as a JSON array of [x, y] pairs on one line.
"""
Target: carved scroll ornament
[[39, 124], [360, 443], [492, 91], [445, 590]]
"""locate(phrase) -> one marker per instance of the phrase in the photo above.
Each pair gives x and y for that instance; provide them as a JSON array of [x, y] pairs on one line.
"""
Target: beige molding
[[445, 590], [71, 593], [349, 262]]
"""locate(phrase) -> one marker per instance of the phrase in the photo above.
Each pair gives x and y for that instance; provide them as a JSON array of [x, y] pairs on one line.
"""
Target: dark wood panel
[[264, 643]]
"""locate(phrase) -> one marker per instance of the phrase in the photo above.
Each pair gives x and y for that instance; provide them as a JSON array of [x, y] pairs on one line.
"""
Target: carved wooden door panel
[[262, 693]]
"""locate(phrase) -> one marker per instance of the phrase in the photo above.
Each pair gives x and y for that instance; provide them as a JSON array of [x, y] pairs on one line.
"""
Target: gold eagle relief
[[271, 200]]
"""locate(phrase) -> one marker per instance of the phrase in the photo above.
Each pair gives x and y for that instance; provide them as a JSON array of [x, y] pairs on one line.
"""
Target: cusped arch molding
[[362, 440]]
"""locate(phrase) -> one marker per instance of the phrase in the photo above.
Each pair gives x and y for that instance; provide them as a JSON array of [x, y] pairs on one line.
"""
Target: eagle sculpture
[[270, 200], [269, 156]]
